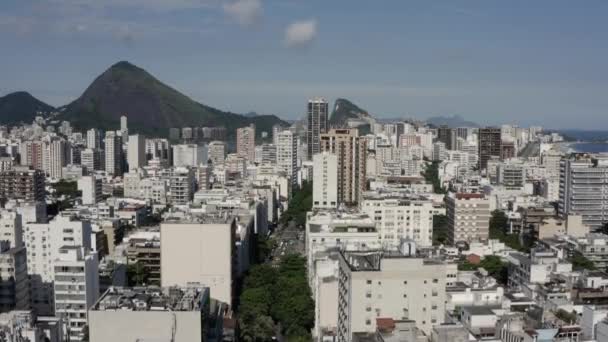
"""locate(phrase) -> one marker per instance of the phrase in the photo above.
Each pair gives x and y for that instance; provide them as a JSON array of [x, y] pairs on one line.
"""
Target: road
[[289, 239]]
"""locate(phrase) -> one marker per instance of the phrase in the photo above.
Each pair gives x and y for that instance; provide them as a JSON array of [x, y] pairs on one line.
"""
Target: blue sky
[[525, 62]]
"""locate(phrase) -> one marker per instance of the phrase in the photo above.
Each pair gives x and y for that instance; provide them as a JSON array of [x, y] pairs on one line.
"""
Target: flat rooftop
[[152, 299]]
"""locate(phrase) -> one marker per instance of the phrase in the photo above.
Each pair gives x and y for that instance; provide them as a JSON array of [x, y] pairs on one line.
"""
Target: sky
[[541, 62]]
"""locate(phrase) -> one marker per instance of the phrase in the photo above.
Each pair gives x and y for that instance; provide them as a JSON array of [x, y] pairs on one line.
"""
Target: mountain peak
[[344, 110], [153, 106], [21, 107]]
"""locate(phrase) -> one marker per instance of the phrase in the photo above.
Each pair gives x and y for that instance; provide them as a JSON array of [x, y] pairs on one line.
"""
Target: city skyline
[[488, 63]]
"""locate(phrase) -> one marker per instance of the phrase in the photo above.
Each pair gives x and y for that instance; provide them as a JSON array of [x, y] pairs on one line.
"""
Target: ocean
[[590, 147]]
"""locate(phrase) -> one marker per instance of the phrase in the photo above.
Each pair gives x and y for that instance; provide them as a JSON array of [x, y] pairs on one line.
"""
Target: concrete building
[[136, 152], [582, 189], [388, 285], [124, 127], [43, 241], [11, 228], [351, 151], [317, 124], [76, 287], [217, 152], [449, 333], [189, 155], [489, 144], [160, 150], [144, 250], [398, 217], [54, 157], [14, 284], [266, 154], [182, 185], [90, 186], [325, 181], [113, 154], [245, 143], [31, 154], [175, 314], [22, 183], [287, 154], [440, 151], [94, 138], [212, 240], [511, 175], [468, 217], [92, 159]]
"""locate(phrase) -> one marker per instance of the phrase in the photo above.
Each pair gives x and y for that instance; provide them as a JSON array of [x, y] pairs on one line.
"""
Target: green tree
[[579, 261], [431, 175], [440, 229], [299, 204]]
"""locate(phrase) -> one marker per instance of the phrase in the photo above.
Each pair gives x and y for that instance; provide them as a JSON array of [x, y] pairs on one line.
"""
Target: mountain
[[450, 121], [345, 110], [151, 106], [21, 107]]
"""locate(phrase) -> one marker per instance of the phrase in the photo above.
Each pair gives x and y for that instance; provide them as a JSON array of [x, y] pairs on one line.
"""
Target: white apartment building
[[76, 288], [182, 185], [11, 228], [91, 189], [159, 150], [217, 152], [389, 285], [398, 217], [136, 152], [43, 241], [113, 154], [54, 157], [150, 314], [245, 143], [94, 138], [200, 252], [468, 217], [189, 155], [325, 180], [287, 153], [583, 188]]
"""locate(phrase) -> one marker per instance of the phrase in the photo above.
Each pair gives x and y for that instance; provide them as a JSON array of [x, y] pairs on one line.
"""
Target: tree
[[136, 274], [498, 222], [440, 229], [579, 261], [299, 205], [431, 175]]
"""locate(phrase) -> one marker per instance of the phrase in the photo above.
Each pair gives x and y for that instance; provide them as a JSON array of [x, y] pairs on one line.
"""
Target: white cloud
[[301, 33], [245, 12]]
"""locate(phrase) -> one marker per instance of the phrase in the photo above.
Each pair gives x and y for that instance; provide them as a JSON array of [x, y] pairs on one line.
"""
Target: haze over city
[[490, 61]]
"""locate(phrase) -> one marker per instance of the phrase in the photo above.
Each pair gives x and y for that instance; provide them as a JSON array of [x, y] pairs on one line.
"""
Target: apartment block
[[468, 217]]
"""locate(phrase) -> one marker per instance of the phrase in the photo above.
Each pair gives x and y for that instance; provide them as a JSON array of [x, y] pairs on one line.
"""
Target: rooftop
[[152, 299]]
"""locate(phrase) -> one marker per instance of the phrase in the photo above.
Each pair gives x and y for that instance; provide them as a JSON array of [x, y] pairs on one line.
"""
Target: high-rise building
[[318, 109], [76, 287], [217, 152], [352, 158], [22, 182], [391, 285], [91, 188], [92, 159], [113, 155], [214, 265], [124, 128], [31, 154], [489, 144], [583, 186], [325, 180], [287, 154], [159, 149], [189, 155], [11, 228], [94, 138], [54, 157], [266, 154], [178, 314], [245, 143], [444, 135], [14, 284], [468, 217], [182, 185], [136, 152]]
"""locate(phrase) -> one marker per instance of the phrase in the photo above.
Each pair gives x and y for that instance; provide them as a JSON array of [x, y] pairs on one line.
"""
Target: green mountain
[[345, 110], [151, 106], [21, 107]]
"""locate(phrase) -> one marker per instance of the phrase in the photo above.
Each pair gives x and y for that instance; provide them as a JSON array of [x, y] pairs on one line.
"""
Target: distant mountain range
[[151, 106], [450, 121]]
